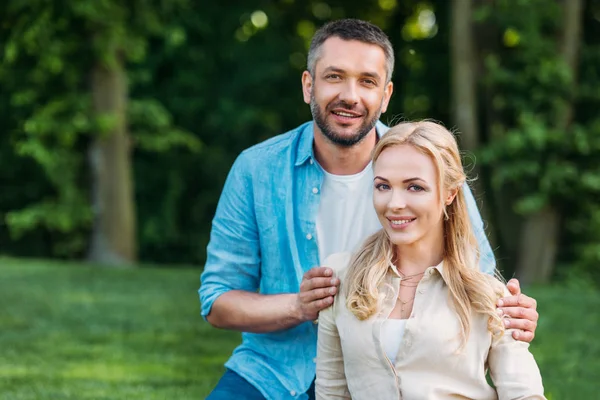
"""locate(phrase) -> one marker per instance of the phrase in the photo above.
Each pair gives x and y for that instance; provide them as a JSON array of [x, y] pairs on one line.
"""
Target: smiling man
[[291, 201]]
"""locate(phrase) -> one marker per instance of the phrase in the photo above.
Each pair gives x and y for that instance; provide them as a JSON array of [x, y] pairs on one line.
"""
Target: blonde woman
[[414, 317]]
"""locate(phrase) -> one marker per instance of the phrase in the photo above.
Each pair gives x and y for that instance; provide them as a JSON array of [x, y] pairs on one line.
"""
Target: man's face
[[348, 92]]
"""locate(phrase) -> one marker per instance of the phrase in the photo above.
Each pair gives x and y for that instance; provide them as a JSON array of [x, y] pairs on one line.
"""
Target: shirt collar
[[429, 271], [305, 146]]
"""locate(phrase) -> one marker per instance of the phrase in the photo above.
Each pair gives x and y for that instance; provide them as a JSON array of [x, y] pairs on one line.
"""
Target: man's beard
[[341, 140]]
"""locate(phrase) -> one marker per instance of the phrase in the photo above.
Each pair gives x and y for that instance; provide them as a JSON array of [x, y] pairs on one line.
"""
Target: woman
[[414, 317]]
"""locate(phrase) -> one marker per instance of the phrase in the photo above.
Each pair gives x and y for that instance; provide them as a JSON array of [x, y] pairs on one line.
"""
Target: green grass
[[70, 331], [76, 332]]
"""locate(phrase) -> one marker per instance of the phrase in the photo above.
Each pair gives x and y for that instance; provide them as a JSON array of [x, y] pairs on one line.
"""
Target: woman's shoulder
[[339, 263], [497, 284]]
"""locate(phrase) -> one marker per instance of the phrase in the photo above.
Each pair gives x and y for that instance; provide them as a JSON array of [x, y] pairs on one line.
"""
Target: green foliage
[[201, 91], [48, 57], [541, 150]]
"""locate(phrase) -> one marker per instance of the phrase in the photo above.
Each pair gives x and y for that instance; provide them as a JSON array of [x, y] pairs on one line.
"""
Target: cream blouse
[[351, 362]]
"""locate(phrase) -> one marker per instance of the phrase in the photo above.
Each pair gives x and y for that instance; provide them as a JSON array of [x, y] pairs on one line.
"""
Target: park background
[[120, 120]]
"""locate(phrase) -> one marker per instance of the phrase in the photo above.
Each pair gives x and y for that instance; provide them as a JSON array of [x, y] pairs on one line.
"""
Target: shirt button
[[315, 190], [315, 359], [293, 392], [310, 161], [309, 236]]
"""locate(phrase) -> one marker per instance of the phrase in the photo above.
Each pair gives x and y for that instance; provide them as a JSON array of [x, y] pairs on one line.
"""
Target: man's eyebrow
[[374, 75], [334, 69]]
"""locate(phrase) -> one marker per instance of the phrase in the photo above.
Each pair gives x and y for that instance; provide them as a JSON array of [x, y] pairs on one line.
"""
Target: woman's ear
[[451, 195]]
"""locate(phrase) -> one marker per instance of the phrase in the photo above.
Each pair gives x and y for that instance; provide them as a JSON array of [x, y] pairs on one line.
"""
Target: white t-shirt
[[346, 214], [392, 333]]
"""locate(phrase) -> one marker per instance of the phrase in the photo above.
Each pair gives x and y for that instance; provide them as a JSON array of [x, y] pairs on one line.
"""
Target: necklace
[[408, 281]]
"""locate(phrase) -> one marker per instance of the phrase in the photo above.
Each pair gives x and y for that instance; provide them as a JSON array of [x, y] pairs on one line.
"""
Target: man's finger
[[519, 313], [318, 272], [321, 304], [316, 283], [524, 336], [317, 294], [519, 300], [514, 287]]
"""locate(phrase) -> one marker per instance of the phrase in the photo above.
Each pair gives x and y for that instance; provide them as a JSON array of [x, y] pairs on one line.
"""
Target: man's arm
[[520, 309], [254, 312], [487, 261], [231, 277]]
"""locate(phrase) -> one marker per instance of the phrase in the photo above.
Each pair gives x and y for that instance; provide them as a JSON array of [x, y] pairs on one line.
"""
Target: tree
[[540, 233], [464, 99], [74, 98]]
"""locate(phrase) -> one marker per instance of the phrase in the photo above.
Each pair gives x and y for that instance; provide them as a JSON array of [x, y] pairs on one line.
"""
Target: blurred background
[[119, 121]]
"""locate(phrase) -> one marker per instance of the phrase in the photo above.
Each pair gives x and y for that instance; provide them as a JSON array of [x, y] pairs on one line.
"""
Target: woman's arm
[[331, 378], [514, 370]]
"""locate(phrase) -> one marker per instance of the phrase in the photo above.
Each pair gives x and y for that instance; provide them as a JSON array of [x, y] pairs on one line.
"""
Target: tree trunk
[[539, 243], [464, 92], [113, 239]]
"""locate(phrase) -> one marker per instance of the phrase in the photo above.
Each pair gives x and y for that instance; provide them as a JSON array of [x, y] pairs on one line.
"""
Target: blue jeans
[[233, 386]]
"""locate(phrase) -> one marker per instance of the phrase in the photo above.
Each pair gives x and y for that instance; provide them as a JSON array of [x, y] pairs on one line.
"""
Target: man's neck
[[340, 160]]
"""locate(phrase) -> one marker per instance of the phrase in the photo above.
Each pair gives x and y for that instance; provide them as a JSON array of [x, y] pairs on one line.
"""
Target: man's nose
[[349, 93]]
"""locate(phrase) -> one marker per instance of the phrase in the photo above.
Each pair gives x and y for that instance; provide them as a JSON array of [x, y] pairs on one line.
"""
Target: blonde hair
[[469, 289]]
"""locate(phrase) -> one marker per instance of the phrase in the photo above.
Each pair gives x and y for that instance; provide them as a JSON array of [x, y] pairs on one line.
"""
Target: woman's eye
[[416, 188], [382, 186]]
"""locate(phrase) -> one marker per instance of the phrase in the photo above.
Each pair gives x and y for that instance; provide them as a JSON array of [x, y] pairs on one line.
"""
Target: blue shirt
[[264, 239]]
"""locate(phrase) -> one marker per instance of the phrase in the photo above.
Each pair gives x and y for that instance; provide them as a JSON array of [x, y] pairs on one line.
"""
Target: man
[[291, 201]]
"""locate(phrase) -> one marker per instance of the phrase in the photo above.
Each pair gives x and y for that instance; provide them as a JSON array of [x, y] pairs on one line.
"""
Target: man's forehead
[[351, 55]]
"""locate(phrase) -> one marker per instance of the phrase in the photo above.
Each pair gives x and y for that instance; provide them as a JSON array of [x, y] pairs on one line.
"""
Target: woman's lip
[[402, 225]]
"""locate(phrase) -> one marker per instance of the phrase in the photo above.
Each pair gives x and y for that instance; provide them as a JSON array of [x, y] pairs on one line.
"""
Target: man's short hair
[[351, 29]]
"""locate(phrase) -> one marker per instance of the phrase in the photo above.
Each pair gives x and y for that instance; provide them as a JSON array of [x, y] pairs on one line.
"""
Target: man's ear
[[307, 86], [387, 95]]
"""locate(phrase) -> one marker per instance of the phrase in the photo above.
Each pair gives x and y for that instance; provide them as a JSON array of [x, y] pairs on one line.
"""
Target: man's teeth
[[343, 114], [401, 221]]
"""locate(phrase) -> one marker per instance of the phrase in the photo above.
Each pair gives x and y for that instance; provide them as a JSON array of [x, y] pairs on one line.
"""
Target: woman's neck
[[417, 257]]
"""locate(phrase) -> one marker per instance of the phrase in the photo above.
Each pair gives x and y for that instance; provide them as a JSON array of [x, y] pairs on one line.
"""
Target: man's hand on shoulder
[[316, 292], [521, 311]]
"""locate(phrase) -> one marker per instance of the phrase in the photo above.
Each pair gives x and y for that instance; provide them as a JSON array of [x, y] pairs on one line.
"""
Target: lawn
[[69, 331]]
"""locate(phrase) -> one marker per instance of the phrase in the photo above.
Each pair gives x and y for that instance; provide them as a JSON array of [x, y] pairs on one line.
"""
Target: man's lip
[[346, 111]]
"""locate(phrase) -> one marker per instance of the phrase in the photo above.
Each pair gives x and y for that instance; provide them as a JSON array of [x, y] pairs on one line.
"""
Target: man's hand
[[316, 292], [521, 312]]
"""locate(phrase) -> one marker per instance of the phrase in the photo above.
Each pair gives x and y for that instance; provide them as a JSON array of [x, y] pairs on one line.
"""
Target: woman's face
[[406, 196]]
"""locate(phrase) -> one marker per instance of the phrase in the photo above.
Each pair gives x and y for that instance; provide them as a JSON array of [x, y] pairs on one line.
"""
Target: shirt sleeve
[[331, 378], [487, 261], [513, 369], [233, 252]]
